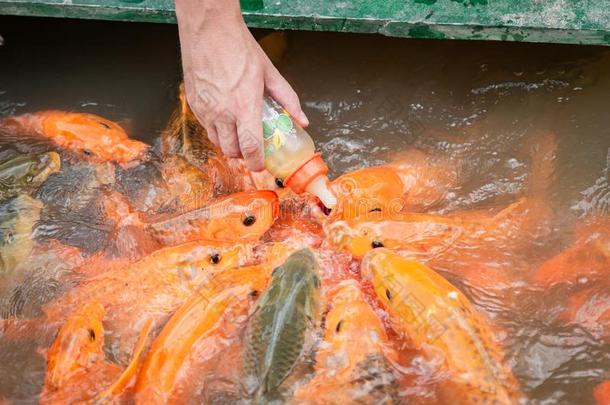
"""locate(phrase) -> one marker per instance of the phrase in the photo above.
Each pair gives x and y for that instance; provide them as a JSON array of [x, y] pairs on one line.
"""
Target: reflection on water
[[478, 106]]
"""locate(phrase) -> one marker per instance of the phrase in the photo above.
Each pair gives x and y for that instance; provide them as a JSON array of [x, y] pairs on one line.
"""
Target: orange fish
[[89, 135], [427, 236], [240, 216], [368, 190], [77, 369], [437, 318], [601, 393], [206, 319], [353, 363], [152, 287], [590, 308], [299, 217], [425, 179], [588, 257]]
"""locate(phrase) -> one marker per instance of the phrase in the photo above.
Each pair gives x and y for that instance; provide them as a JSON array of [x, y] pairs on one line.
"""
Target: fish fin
[[128, 375]]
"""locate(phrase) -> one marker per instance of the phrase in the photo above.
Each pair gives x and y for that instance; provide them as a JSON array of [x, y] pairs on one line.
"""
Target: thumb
[[278, 88]]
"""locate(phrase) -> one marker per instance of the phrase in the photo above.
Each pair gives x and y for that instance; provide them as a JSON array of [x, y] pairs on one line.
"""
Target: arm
[[226, 74]]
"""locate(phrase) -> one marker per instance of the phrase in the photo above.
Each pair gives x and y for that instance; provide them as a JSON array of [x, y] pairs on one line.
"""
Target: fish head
[[18, 216], [30, 170], [93, 137], [392, 277], [78, 345], [357, 237], [245, 215], [351, 324], [202, 257], [375, 189], [300, 271]]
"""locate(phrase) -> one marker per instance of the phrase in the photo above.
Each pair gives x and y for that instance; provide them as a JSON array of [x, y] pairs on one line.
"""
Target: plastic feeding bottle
[[290, 154]]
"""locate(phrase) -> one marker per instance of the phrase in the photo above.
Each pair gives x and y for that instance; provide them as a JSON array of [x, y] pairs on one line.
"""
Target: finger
[[250, 134], [227, 138], [282, 92], [212, 135]]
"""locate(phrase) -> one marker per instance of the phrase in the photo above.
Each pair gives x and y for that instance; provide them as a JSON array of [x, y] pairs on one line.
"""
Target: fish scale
[[278, 327]]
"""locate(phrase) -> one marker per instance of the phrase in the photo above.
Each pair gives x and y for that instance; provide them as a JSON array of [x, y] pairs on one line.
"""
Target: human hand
[[225, 75]]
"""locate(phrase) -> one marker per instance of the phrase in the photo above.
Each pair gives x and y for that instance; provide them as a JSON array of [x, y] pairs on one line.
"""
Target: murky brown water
[[367, 98]]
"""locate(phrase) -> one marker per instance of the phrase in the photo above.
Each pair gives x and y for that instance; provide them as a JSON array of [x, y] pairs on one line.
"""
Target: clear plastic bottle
[[290, 154]]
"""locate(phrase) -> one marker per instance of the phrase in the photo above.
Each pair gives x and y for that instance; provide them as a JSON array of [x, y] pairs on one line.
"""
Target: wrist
[[202, 13]]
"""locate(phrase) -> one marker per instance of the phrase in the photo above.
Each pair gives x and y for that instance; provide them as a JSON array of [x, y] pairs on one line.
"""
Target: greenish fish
[[281, 322], [23, 174], [18, 215]]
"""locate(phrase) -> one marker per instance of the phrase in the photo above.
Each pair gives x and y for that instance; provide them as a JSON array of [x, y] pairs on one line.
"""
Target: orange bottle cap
[[306, 173]]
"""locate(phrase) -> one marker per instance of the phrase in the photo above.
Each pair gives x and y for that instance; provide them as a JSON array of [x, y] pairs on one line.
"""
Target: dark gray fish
[[283, 318], [23, 174], [18, 215]]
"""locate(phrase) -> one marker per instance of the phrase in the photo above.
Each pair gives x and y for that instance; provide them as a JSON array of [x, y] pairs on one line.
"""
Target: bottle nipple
[[311, 177]]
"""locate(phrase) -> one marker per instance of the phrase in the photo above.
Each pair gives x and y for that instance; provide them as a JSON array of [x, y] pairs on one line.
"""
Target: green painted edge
[[139, 13]]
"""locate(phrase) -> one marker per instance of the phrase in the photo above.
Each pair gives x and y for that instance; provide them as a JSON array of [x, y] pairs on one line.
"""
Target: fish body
[[240, 216], [448, 238], [224, 294], [353, 363], [434, 315], [154, 287], [90, 136], [18, 216], [23, 174], [277, 331], [426, 179], [77, 368], [588, 257], [601, 393]]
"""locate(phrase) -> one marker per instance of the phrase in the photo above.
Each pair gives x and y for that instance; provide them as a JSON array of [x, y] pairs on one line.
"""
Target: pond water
[[481, 106]]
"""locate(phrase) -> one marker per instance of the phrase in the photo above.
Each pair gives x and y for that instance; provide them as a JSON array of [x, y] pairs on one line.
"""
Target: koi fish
[[224, 297], [426, 180], [601, 393], [239, 216], [154, 286], [280, 324], [434, 315], [588, 257], [87, 135], [428, 235], [77, 369], [353, 363], [23, 174], [369, 190]]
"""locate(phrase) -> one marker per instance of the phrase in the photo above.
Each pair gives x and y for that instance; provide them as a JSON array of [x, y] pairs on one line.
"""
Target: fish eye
[[254, 293], [376, 244], [249, 220], [215, 258], [279, 183], [388, 294], [87, 152], [376, 209], [338, 327], [91, 335], [9, 238], [104, 125]]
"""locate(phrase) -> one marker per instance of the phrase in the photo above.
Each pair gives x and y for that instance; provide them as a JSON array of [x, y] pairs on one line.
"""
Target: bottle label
[[277, 125]]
